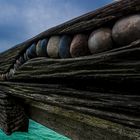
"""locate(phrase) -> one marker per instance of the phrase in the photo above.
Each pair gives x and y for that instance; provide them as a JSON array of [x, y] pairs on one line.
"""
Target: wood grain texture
[[104, 85], [118, 107], [118, 64], [105, 16], [95, 97], [79, 126], [12, 114], [92, 115]]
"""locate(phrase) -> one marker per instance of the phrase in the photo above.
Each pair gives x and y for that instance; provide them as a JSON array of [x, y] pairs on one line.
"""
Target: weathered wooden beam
[[12, 114], [79, 126], [105, 16], [54, 104], [105, 85], [117, 107], [118, 67], [96, 94]]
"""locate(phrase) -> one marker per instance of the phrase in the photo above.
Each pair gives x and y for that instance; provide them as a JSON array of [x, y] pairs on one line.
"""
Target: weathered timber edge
[[68, 121], [101, 17], [91, 97], [107, 87]]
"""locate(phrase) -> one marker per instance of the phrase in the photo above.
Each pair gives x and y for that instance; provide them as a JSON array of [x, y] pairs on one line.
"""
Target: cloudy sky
[[23, 19]]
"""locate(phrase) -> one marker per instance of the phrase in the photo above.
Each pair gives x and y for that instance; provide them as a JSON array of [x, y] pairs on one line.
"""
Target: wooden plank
[[12, 115], [79, 126], [93, 20], [97, 94], [121, 107], [116, 69]]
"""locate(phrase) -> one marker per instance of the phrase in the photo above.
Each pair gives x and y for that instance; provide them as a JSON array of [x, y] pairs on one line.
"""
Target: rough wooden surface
[[94, 97], [105, 85], [79, 126], [12, 114], [78, 114], [119, 65], [118, 107], [105, 16]]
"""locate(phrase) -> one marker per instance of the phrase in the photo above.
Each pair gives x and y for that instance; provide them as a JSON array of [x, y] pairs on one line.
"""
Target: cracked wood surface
[[105, 16], [94, 97]]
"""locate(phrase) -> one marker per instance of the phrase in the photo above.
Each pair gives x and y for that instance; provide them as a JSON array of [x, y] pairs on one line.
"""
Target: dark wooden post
[[12, 114]]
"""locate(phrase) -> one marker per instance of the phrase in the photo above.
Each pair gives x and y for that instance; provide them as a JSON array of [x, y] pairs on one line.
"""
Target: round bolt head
[[18, 63], [11, 72], [126, 30], [21, 59], [41, 48], [79, 46], [31, 51], [52, 47], [100, 40], [64, 46]]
